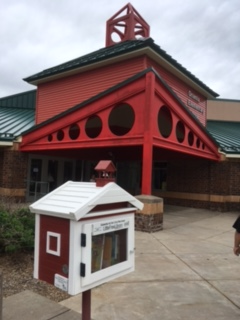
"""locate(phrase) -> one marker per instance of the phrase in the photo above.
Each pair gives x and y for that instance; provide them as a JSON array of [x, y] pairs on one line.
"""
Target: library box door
[[108, 249]]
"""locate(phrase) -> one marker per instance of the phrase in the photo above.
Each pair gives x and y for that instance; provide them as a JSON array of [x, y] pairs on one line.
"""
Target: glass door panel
[[52, 174], [35, 176], [36, 188], [67, 171]]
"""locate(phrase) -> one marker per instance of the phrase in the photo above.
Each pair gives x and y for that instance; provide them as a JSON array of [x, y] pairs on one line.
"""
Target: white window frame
[[58, 236], [113, 271]]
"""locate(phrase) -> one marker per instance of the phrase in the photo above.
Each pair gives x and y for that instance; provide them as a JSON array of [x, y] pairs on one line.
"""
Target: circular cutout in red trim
[[180, 131], [93, 126], [60, 135], [74, 131], [165, 122], [121, 119]]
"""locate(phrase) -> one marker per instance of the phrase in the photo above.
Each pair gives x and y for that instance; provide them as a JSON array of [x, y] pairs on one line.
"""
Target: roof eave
[[229, 154], [5, 143], [232, 155]]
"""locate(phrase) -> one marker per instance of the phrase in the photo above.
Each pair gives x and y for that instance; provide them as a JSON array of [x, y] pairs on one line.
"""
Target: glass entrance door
[[52, 177], [129, 176], [35, 186], [45, 174]]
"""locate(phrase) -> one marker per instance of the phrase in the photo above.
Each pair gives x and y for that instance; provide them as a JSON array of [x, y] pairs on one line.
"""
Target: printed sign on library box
[[103, 227]]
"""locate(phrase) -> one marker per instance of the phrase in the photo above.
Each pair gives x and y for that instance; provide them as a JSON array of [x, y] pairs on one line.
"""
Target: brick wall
[[1, 167], [188, 176], [220, 178], [234, 175], [211, 179], [13, 169]]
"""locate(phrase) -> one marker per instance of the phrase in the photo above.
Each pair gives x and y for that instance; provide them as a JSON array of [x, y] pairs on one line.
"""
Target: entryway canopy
[[140, 110]]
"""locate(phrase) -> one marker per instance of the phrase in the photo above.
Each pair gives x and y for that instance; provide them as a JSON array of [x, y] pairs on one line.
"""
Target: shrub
[[16, 230]]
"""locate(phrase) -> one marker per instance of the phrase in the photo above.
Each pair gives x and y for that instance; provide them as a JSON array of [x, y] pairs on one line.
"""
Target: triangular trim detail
[[39, 136]]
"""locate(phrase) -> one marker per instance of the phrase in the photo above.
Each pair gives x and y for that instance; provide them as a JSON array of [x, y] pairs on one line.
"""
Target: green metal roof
[[13, 121], [114, 51], [226, 134], [17, 114], [26, 100]]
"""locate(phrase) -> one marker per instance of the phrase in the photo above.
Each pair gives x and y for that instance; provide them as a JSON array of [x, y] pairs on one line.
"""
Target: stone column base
[[150, 219]]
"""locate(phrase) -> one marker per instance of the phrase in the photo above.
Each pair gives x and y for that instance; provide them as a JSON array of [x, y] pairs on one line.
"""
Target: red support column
[[147, 157], [147, 169]]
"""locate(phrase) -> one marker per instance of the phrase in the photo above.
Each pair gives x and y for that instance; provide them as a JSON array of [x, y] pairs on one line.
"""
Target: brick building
[[17, 113], [129, 102]]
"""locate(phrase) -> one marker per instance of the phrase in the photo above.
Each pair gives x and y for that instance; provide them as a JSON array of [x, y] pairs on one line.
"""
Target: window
[[108, 249], [53, 243], [159, 176]]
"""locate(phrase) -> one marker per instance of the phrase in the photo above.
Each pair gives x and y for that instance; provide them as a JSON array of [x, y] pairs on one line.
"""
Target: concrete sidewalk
[[186, 271]]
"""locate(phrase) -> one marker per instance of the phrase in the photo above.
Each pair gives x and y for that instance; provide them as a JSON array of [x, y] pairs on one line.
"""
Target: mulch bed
[[17, 270]]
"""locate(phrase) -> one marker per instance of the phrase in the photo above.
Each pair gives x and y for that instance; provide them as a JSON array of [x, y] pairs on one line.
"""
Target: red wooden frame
[[145, 96]]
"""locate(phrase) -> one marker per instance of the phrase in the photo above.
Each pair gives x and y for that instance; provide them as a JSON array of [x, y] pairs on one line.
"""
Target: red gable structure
[[129, 102]]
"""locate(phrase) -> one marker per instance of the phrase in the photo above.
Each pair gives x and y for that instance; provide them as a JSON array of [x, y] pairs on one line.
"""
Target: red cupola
[[126, 24], [105, 172]]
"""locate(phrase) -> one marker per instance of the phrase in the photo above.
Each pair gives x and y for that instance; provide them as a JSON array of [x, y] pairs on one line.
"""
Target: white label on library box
[[109, 226], [61, 282]]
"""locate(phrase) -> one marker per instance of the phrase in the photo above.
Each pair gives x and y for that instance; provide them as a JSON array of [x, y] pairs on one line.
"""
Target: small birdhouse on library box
[[84, 234]]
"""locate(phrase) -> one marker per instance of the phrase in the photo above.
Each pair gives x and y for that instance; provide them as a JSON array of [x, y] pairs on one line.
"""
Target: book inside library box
[[108, 249]]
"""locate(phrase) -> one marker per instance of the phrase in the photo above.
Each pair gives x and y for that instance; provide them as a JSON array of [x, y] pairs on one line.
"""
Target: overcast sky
[[202, 35]]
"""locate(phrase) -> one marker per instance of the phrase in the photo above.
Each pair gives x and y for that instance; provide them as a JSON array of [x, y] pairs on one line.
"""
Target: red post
[[147, 157], [1, 294], [86, 305], [147, 169]]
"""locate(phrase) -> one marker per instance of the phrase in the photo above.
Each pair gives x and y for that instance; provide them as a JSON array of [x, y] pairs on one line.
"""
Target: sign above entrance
[[193, 96], [193, 104]]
